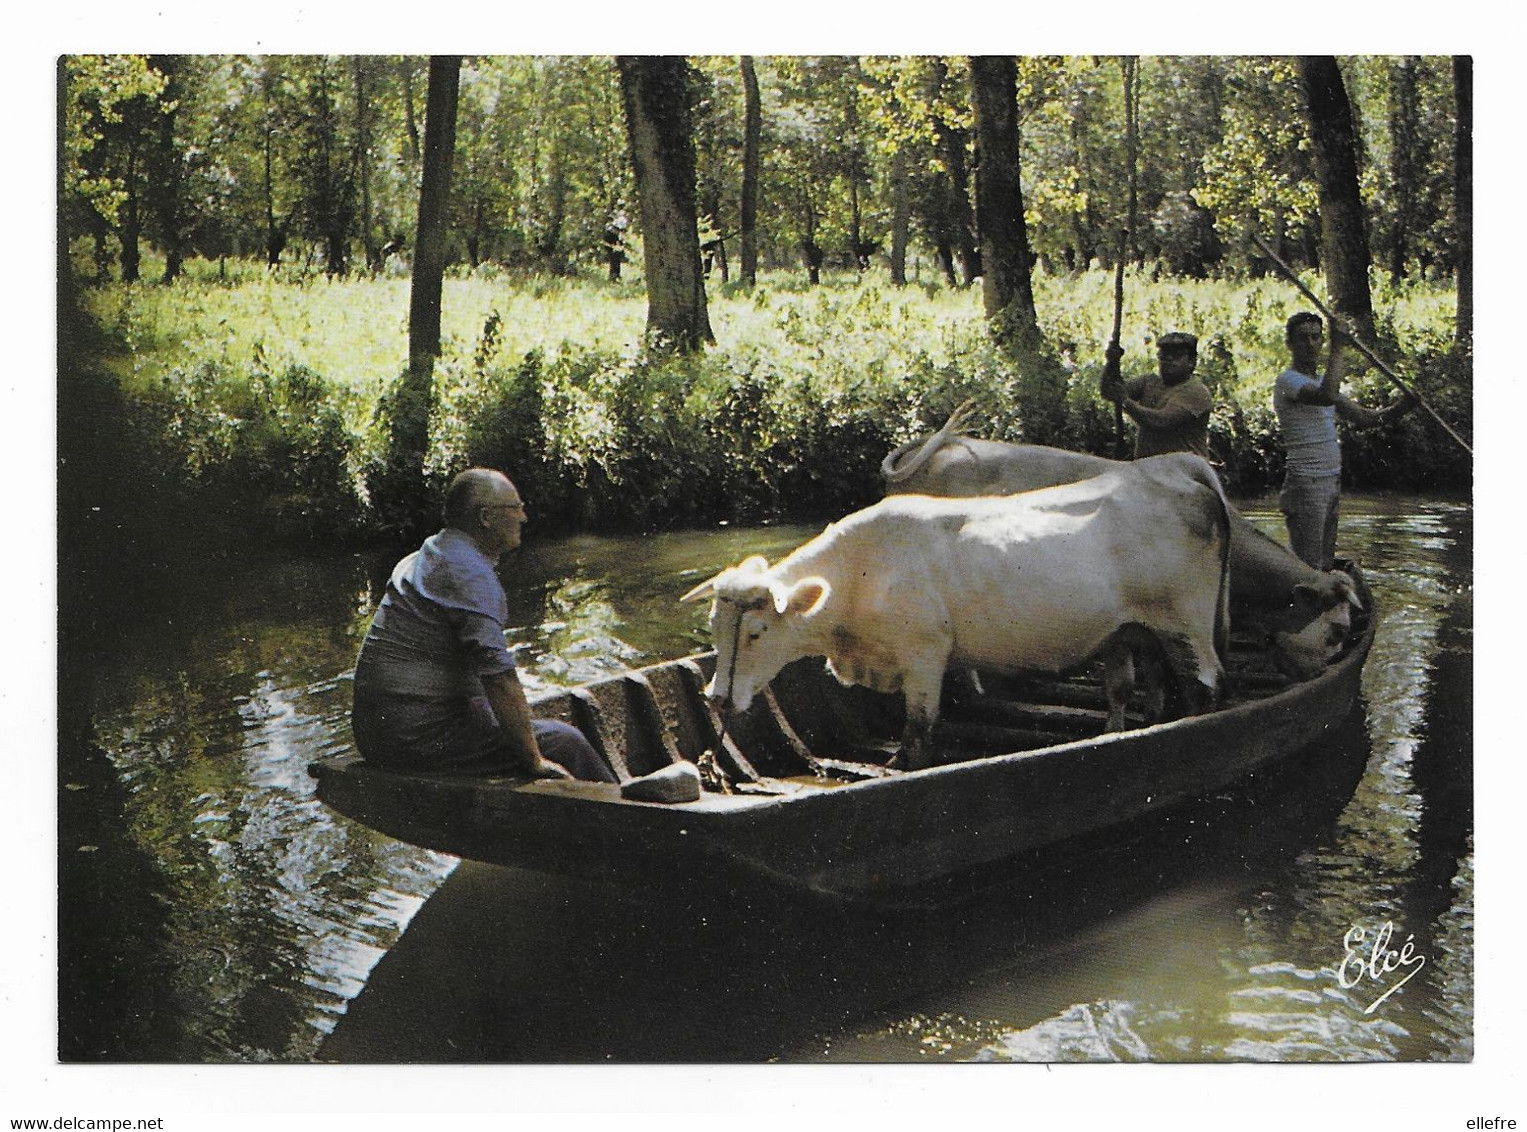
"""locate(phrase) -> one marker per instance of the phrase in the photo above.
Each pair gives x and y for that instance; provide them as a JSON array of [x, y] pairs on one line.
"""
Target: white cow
[[1043, 582], [1306, 613]]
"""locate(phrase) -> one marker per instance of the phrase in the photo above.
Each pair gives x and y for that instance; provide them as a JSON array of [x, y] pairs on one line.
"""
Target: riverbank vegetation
[[269, 395]]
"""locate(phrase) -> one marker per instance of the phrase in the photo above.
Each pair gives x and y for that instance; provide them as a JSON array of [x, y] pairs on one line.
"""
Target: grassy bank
[[266, 390]]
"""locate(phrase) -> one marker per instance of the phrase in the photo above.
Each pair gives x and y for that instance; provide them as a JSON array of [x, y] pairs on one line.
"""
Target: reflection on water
[[1215, 935]]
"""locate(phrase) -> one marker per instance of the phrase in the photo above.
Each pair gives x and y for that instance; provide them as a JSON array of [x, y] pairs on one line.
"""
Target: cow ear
[[1307, 593], [804, 598]]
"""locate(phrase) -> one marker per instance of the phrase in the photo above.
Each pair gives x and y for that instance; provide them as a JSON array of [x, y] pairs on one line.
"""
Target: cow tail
[[890, 472], [954, 425]]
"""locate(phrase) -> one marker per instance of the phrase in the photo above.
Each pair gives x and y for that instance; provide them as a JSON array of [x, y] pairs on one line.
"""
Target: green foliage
[[261, 452], [312, 161], [789, 416], [541, 160], [1258, 177], [612, 438], [1073, 157], [100, 92]]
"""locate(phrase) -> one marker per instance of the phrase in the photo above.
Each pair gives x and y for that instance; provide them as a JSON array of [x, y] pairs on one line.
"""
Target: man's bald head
[[469, 490], [485, 504]]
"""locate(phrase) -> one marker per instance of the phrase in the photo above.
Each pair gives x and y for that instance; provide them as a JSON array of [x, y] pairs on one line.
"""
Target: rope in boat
[[731, 675], [725, 713]]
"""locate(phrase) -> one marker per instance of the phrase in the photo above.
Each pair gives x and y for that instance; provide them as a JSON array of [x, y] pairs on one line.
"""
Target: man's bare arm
[[1364, 417], [1336, 362], [512, 710], [1328, 392], [1168, 416]]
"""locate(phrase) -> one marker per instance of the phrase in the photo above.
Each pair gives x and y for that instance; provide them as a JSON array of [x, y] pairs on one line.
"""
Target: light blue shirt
[[1309, 431], [440, 626]]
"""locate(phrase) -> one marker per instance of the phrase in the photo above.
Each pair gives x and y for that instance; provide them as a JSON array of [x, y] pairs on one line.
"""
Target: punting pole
[[1118, 329]]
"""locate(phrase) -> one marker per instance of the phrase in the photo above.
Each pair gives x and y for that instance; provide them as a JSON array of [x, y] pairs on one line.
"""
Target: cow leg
[[1118, 683], [1150, 674], [922, 696], [1198, 672], [1206, 688], [916, 744], [1132, 658]]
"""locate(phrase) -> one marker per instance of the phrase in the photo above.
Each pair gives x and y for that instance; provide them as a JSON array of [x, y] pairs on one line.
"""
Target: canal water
[[231, 917]]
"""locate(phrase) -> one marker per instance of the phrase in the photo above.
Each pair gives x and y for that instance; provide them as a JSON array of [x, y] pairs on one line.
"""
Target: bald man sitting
[[435, 684]]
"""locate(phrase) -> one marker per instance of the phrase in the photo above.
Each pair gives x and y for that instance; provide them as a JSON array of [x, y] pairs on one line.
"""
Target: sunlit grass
[[354, 332], [801, 394]]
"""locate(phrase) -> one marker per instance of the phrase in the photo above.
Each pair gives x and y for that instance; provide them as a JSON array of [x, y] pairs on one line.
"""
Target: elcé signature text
[[1377, 960]]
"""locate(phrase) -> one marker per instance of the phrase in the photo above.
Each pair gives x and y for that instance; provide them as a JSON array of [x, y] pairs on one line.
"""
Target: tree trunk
[[476, 234], [943, 251], [856, 227], [858, 177], [752, 162], [1404, 161], [372, 250], [549, 248], [167, 170], [900, 218], [961, 228], [1463, 198], [398, 490], [416, 394], [410, 121], [434, 195], [130, 227], [1344, 235], [951, 147], [329, 186], [655, 91], [811, 251], [1007, 288], [275, 237], [1078, 253], [614, 241]]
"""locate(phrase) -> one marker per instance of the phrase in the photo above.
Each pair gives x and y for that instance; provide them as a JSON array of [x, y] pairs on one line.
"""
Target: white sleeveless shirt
[[1309, 431]]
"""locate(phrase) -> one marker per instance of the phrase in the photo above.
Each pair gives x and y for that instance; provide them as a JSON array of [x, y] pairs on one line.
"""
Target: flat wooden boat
[[798, 793]]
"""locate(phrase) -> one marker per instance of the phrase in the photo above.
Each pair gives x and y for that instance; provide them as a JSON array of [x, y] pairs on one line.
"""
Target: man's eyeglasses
[[504, 507]]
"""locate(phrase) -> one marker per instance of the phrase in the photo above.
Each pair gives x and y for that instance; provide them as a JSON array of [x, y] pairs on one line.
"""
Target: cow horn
[[757, 563], [704, 589]]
